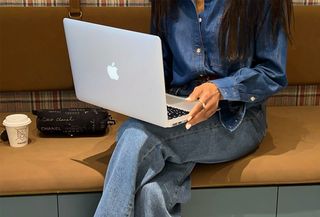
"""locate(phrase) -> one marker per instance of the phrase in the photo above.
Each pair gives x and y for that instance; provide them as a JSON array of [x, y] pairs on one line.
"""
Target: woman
[[230, 56]]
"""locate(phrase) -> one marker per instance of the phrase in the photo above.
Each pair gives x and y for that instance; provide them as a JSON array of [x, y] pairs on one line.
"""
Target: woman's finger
[[199, 117], [202, 103], [195, 94], [201, 113]]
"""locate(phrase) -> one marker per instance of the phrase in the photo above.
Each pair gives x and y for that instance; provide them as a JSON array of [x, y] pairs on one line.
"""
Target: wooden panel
[[303, 55], [33, 52]]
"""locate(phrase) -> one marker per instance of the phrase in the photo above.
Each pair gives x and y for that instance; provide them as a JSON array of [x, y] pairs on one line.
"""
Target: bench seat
[[289, 154]]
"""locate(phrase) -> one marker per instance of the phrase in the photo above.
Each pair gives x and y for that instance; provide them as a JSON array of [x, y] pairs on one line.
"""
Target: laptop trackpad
[[180, 102]]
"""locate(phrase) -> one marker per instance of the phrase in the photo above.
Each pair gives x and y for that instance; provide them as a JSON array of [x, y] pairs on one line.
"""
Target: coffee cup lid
[[16, 120]]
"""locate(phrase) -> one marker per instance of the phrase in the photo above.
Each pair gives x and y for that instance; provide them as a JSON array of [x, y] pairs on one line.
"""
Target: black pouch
[[73, 121]]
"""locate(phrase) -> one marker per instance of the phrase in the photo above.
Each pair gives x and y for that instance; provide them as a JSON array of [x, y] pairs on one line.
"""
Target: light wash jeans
[[149, 172]]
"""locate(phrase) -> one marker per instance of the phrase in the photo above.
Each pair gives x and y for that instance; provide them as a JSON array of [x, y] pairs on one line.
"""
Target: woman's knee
[[134, 137]]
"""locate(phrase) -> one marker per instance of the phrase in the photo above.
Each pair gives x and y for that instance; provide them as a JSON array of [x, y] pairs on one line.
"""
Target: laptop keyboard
[[175, 112]]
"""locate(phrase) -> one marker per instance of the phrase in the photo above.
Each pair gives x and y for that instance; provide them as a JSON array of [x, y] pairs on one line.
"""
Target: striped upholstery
[[307, 2], [32, 100], [62, 3], [59, 3], [298, 95]]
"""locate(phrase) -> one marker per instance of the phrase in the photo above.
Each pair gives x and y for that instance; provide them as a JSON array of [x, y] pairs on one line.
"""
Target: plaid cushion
[[33, 100], [63, 3], [299, 95], [99, 3], [306, 2]]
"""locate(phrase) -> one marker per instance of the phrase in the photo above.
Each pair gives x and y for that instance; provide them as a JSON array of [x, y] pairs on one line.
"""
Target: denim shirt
[[190, 50]]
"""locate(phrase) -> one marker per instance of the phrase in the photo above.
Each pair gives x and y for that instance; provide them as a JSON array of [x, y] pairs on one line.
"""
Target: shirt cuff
[[231, 91], [228, 88]]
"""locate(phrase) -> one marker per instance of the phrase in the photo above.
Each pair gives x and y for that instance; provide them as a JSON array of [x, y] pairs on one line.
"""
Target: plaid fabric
[[101, 3], [64, 3], [306, 2], [33, 100], [299, 95]]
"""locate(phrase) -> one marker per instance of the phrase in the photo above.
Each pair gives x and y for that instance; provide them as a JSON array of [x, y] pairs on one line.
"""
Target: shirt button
[[198, 50], [252, 98], [200, 19]]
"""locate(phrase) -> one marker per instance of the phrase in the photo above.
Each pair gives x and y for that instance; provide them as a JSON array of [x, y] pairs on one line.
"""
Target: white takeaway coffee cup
[[17, 127]]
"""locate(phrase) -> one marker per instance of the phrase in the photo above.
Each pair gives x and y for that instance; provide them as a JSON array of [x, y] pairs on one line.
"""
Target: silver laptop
[[122, 71]]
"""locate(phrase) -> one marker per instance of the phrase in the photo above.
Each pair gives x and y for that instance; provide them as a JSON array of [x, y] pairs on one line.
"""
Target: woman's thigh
[[207, 142]]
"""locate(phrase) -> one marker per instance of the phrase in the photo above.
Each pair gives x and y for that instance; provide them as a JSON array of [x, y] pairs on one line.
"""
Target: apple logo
[[113, 71]]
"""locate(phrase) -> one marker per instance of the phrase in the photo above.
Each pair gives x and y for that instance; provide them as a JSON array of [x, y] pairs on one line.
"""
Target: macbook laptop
[[122, 71]]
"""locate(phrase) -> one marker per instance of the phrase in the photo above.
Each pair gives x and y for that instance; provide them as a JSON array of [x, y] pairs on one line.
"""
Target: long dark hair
[[240, 23]]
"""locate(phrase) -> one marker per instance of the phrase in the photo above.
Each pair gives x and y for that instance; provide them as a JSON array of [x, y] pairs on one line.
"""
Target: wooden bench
[[51, 168]]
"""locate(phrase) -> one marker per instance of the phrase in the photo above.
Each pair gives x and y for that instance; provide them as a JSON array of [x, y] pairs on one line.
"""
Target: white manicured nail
[[188, 126]]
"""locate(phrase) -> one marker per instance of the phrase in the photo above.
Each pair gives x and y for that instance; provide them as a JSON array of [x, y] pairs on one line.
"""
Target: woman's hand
[[208, 97]]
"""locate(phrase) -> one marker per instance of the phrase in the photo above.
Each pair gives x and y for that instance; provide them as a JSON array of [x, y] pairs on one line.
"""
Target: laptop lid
[[117, 69]]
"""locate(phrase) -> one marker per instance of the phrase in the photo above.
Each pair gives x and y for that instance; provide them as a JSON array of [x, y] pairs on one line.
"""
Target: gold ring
[[202, 104]]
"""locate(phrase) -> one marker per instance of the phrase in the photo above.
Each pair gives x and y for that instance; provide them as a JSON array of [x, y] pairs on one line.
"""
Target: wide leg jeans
[[149, 172]]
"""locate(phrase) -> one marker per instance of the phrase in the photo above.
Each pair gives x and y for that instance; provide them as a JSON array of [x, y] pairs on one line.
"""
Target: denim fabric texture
[[149, 172], [190, 50]]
